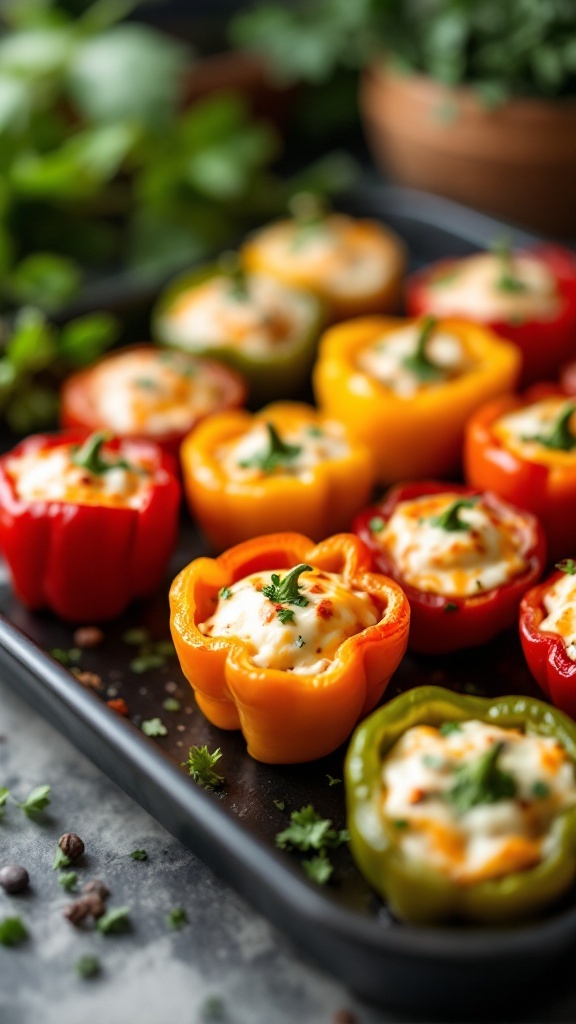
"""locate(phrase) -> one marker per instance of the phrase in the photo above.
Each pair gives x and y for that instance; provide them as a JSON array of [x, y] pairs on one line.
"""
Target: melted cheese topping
[[488, 840], [560, 604], [211, 315], [316, 444], [516, 431], [385, 359], [456, 563], [50, 475], [308, 643], [152, 392], [339, 254], [469, 288]]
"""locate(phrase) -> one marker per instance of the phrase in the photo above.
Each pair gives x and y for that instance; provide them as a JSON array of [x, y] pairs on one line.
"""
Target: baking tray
[[451, 971]]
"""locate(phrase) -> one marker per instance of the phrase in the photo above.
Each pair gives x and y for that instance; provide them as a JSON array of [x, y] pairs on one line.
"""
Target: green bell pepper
[[415, 890], [281, 373]]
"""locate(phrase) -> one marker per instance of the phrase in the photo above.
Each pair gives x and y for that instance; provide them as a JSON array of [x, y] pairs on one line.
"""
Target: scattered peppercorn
[[71, 845], [95, 904], [88, 636], [14, 878], [77, 911], [97, 886], [120, 706]]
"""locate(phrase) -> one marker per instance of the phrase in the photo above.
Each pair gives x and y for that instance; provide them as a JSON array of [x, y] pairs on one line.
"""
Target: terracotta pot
[[517, 161]]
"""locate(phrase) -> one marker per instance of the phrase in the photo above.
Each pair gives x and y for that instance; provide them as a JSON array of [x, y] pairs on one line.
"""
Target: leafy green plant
[[516, 47]]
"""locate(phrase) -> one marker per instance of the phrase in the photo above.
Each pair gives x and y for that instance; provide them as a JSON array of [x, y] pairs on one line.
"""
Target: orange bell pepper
[[418, 435], [540, 477], [287, 716], [268, 491], [353, 266]]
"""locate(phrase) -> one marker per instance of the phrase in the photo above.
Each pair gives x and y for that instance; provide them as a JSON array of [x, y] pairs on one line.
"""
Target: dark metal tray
[[448, 971]]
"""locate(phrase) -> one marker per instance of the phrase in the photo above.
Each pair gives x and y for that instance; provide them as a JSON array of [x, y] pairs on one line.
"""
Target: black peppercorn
[[14, 878], [71, 845]]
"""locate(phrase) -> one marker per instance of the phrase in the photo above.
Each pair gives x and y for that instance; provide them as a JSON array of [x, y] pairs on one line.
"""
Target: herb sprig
[[559, 436], [419, 363], [308, 831], [200, 764], [481, 782], [450, 519], [274, 455]]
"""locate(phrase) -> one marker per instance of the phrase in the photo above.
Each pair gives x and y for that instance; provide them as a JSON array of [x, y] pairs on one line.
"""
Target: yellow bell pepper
[[353, 266], [289, 716], [417, 434], [286, 468]]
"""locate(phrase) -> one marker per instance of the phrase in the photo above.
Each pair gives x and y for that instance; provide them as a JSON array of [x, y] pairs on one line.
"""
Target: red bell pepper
[[545, 343], [87, 559], [546, 488], [440, 623], [545, 653]]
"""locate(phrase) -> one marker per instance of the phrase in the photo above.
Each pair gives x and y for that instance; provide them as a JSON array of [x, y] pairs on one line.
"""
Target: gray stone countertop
[[227, 964]]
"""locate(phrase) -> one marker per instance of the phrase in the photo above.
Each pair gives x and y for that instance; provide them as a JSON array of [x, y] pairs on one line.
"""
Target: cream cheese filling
[[386, 359], [470, 288], [560, 604], [242, 459], [51, 475]]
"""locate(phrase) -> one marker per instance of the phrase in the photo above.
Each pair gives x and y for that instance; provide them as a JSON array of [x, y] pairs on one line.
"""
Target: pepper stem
[[419, 363], [450, 519], [89, 456], [231, 266], [560, 436], [287, 590], [508, 280]]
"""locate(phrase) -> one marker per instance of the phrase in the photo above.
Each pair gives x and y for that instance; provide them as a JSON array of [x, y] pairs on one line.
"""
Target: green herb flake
[[450, 519], [139, 855], [171, 704], [200, 764], [146, 662], [4, 794], [450, 607], [154, 727], [225, 593], [146, 383], [481, 781], [567, 565], [376, 524], [308, 830], [401, 823], [36, 801], [61, 860], [212, 1010], [136, 637], [315, 432], [177, 918], [88, 966], [280, 804], [114, 921], [419, 364], [333, 781], [434, 761], [275, 455], [540, 790], [66, 657], [318, 869], [285, 615], [507, 281], [287, 590], [560, 436], [89, 455], [164, 648], [448, 728], [68, 880], [12, 931]]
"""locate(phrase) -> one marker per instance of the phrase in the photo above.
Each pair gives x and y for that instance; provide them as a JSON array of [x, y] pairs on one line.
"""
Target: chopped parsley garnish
[[177, 918], [146, 383], [88, 966], [280, 804], [89, 455], [12, 931], [224, 593], [68, 880], [287, 590], [508, 280], [376, 524], [447, 728], [276, 453], [36, 801], [419, 363], [285, 615], [66, 657], [4, 794], [61, 860], [319, 869], [434, 761], [308, 830], [200, 764], [212, 1009], [152, 654], [171, 704], [481, 781], [450, 606], [559, 437], [114, 921], [300, 642], [333, 781], [139, 855], [567, 565], [315, 432], [136, 637], [450, 519], [401, 823], [540, 789], [154, 727], [230, 265]]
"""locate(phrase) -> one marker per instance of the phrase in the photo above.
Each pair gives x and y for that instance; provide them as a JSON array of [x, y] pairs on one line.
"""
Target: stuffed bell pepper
[[407, 387], [528, 297], [144, 391], [464, 808], [86, 524], [524, 449], [548, 635], [286, 468], [262, 327], [354, 266], [290, 642], [463, 558]]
